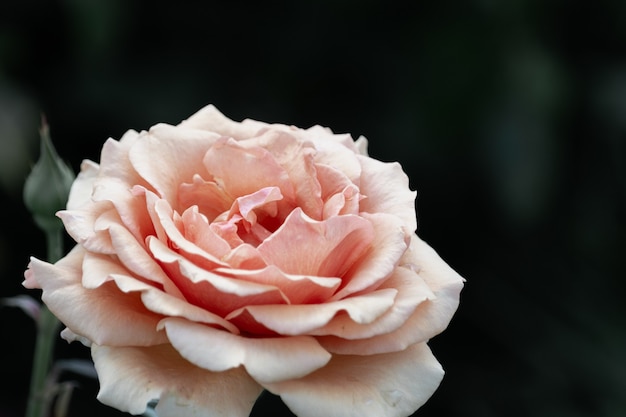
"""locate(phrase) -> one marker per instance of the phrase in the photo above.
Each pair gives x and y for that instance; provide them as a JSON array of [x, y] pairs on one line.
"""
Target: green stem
[[47, 329]]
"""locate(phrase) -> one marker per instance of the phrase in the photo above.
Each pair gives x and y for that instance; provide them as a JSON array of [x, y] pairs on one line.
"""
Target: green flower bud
[[48, 186]]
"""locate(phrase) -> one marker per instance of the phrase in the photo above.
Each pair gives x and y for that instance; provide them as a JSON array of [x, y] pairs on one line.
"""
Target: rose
[[215, 259]]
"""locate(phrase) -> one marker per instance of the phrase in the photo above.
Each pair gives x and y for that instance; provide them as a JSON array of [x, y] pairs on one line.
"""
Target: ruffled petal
[[135, 258], [299, 289], [303, 319], [160, 159], [430, 317], [214, 292], [265, 359], [104, 314], [80, 193], [210, 198], [391, 385], [85, 226], [304, 246], [227, 160], [412, 291], [131, 377], [175, 238], [297, 158], [386, 187], [389, 243], [211, 119]]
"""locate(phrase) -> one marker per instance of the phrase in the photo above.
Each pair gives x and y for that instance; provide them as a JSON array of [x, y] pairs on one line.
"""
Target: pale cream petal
[[131, 377], [390, 385], [386, 187], [265, 359], [104, 314], [389, 244], [304, 246], [304, 318]]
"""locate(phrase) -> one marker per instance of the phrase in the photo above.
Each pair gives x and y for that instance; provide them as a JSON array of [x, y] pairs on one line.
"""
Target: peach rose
[[215, 259]]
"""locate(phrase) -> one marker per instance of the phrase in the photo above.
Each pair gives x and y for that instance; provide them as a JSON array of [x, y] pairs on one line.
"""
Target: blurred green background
[[509, 117]]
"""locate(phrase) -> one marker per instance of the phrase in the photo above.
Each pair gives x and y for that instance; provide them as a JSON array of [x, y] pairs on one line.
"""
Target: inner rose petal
[[298, 289], [211, 199], [297, 158], [241, 171], [216, 293], [304, 246], [176, 239]]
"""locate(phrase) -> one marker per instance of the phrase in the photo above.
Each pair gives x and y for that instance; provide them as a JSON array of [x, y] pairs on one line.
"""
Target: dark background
[[508, 116]]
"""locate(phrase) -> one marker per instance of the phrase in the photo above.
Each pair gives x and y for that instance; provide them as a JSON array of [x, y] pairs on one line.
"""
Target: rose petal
[[246, 205], [135, 257], [80, 224], [210, 198], [412, 291], [80, 193], [297, 158], [114, 160], [178, 240], [164, 304], [299, 289], [226, 160], [209, 290], [338, 156], [104, 315], [265, 359], [390, 242], [130, 377], [303, 319], [199, 232], [245, 256], [387, 189], [391, 385], [160, 159], [303, 246], [429, 318], [210, 118]]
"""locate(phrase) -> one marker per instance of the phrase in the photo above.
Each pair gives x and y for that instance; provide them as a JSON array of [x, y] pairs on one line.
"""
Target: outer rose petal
[[429, 318], [387, 189], [301, 319], [103, 315], [265, 359], [388, 245], [130, 377], [412, 292], [390, 385], [210, 118], [80, 193]]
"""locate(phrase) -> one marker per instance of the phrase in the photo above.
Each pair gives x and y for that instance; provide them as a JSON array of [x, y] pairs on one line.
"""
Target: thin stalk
[[47, 329]]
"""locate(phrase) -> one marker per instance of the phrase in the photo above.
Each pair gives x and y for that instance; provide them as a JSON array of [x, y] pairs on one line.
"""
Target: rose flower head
[[215, 259]]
